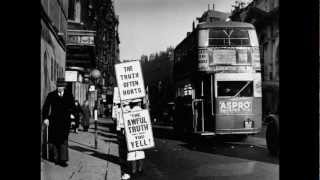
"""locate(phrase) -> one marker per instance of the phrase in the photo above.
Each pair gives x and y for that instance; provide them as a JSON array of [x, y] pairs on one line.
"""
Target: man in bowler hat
[[58, 110]]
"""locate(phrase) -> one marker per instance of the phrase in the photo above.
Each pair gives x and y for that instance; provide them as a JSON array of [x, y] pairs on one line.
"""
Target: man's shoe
[[63, 164]]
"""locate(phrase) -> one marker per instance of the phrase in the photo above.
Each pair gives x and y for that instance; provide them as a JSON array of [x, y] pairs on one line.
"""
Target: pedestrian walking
[[58, 110], [77, 113], [85, 120], [136, 157], [122, 140]]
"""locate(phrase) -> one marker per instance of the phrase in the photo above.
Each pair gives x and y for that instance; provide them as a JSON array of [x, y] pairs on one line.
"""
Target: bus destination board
[[222, 56]]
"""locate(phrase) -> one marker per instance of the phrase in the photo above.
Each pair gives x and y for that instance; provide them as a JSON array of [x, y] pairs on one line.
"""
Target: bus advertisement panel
[[234, 105]]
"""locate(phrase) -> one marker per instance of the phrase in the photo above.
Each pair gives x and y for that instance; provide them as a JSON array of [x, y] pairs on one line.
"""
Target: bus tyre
[[272, 137]]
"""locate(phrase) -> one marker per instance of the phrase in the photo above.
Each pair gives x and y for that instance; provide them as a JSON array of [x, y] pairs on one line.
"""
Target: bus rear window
[[229, 37], [235, 88]]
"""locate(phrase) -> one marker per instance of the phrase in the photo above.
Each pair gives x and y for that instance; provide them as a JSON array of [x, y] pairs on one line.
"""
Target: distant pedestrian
[[114, 116], [136, 157], [58, 109], [78, 112], [96, 109], [85, 120]]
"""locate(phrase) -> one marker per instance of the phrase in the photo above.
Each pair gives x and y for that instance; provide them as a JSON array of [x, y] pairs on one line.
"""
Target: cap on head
[[61, 82]]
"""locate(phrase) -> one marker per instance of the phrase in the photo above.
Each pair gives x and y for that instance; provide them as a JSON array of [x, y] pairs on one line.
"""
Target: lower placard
[[138, 130]]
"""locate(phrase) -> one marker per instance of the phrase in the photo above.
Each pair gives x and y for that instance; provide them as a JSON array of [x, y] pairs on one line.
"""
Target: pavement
[[86, 162]]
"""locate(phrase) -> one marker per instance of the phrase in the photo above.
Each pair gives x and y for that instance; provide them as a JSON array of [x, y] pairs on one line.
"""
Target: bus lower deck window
[[233, 88]]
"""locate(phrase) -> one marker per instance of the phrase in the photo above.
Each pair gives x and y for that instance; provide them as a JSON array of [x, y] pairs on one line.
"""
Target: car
[[272, 134]]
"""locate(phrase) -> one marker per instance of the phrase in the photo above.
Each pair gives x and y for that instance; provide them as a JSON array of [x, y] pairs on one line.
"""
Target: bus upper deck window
[[218, 37], [229, 37], [239, 37], [235, 88]]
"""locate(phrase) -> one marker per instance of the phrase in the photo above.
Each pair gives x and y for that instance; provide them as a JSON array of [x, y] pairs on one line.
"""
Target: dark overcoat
[[86, 116], [58, 110]]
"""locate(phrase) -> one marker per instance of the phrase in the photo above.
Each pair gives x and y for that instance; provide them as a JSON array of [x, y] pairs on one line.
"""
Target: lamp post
[[95, 74]]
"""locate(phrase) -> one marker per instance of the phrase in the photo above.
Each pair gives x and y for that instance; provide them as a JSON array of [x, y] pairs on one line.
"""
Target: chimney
[[208, 7], [212, 6], [188, 33], [192, 25]]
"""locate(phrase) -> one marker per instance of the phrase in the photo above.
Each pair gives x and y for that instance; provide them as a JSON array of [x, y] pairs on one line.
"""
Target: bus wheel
[[272, 138]]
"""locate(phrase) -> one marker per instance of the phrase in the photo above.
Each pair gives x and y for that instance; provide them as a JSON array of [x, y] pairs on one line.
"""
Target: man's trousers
[[59, 151]]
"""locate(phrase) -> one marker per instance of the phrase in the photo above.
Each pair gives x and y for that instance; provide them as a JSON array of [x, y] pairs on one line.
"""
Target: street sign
[[71, 76], [138, 130], [130, 80]]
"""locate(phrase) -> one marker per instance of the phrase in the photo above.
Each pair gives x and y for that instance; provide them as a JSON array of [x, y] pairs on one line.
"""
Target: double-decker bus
[[217, 77]]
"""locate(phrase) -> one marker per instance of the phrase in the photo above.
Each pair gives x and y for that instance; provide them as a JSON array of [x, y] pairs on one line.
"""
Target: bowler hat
[[61, 82]]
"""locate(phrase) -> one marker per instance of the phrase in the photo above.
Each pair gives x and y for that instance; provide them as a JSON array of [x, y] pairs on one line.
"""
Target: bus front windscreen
[[235, 88], [232, 37]]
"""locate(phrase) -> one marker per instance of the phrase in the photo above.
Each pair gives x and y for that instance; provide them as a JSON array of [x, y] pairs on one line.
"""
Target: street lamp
[[95, 74]]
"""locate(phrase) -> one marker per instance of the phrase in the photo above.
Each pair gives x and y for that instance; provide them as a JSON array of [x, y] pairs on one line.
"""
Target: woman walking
[[136, 157], [76, 120], [85, 121]]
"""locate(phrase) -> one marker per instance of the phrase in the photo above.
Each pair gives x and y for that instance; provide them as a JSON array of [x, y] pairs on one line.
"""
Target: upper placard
[[130, 80]]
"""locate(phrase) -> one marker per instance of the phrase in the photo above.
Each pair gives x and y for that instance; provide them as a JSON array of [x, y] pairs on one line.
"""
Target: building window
[[52, 67], [55, 71], [60, 72], [187, 90], [71, 10], [77, 9], [277, 64]]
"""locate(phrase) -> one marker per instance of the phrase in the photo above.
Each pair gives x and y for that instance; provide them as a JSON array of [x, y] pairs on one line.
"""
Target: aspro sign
[[235, 106], [130, 81]]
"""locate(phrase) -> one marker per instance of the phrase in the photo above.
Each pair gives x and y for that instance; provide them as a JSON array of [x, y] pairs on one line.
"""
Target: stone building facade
[[53, 25], [53, 21], [264, 15], [93, 44]]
